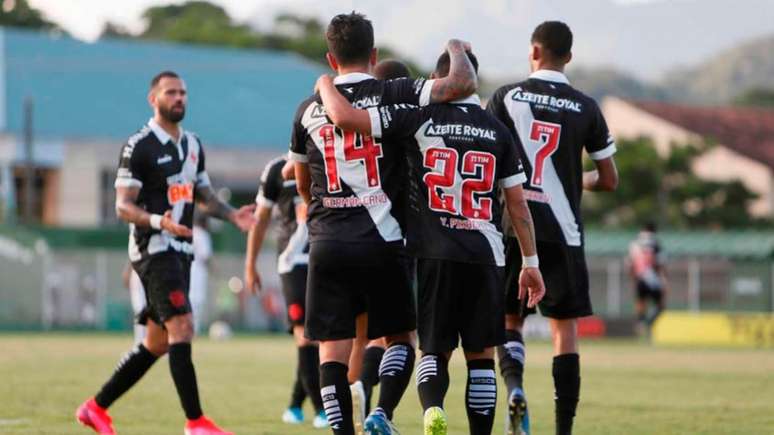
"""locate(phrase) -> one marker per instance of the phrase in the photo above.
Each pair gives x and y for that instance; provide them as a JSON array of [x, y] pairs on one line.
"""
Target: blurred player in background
[[278, 197], [554, 123], [133, 283], [200, 268], [161, 176], [647, 268]]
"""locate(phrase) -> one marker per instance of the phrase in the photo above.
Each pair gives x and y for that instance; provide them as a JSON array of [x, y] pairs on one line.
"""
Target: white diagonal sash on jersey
[[294, 253], [522, 116], [487, 229], [352, 173]]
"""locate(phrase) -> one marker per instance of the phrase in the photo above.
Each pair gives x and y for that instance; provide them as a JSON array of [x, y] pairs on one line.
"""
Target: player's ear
[[534, 52], [152, 98], [568, 58], [332, 61], [374, 57]]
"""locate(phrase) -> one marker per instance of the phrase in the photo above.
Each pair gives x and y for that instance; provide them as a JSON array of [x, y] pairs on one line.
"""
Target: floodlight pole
[[29, 167]]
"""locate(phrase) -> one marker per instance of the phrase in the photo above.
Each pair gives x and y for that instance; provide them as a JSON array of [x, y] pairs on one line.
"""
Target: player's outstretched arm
[[209, 203], [461, 80], [531, 280], [340, 110], [128, 211], [255, 239], [604, 178]]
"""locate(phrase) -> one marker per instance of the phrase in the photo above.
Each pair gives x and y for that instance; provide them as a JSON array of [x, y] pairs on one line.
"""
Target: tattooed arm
[[461, 80], [209, 203]]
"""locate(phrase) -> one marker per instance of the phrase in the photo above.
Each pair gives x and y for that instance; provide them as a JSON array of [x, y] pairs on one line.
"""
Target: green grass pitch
[[627, 388]]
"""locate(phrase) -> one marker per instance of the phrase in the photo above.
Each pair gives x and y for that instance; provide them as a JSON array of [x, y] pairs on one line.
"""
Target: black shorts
[[294, 290], [345, 278], [459, 301], [165, 278], [564, 273], [645, 292]]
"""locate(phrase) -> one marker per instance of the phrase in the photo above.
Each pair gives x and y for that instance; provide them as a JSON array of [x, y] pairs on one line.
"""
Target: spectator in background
[[646, 265], [202, 247]]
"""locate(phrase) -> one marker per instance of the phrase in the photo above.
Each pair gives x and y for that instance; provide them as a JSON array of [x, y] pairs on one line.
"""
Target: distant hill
[[598, 83], [726, 75]]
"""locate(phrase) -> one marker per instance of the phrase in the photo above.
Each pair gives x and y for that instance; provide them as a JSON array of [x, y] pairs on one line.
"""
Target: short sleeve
[[271, 184], [407, 91], [202, 178], [298, 137], [511, 171], [130, 167], [599, 144], [395, 121]]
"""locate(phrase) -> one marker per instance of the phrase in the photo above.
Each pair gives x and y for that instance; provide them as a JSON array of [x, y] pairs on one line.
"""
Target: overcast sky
[[647, 38]]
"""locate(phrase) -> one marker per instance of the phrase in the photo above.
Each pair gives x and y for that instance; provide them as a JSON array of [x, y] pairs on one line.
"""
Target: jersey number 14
[[356, 147]]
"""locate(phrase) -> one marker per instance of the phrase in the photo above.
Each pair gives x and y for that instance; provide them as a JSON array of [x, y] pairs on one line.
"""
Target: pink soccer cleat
[[92, 415], [204, 426]]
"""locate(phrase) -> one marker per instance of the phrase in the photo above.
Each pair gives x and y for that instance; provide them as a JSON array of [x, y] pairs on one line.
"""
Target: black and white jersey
[[357, 180], [554, 123], [168, 174], [281, 196], [459, 156]]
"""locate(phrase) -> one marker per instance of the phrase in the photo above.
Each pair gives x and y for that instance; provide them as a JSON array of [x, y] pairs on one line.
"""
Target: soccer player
[[276, 193], [554, 123], [352, 184], [161, 174], [202, 259], [460, 159], [646, 265]]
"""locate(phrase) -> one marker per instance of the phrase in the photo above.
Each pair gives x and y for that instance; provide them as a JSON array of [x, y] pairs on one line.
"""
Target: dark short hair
[[554, 36], [389, 69], [350, 38], [443, 64], [157, 78], [650, 226]]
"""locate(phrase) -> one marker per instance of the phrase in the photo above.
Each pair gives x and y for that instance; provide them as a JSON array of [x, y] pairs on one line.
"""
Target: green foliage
[[666, 190], [21, 14], [760, 97]]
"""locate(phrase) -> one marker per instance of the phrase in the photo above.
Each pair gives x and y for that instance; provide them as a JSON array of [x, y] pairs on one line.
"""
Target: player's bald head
[[389, 69]]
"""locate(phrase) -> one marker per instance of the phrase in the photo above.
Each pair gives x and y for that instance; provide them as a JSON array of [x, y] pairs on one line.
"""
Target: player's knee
[[157, 348], [180, 329]]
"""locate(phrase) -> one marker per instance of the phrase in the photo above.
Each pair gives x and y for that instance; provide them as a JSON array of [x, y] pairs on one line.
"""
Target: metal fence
[[82, 288]]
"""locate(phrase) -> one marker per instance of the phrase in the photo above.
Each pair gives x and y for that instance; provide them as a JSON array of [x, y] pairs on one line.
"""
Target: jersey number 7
[[547, 135], [443, 163], [356, 147]]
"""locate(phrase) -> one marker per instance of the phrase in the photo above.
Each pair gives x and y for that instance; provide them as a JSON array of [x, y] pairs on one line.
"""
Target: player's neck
[[549, 67], [172, 128], [363, 69]]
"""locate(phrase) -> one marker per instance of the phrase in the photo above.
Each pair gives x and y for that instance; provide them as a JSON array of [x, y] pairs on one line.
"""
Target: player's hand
[[252, 279], [531, 285], [244, 217], [323, 80], [458, 43], [169, 225]]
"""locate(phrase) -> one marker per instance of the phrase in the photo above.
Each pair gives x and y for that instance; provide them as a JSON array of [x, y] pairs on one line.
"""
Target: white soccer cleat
[[293, 416], [320, 421]]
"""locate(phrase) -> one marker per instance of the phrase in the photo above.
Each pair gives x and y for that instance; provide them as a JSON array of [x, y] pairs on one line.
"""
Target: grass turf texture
[[627, 387]]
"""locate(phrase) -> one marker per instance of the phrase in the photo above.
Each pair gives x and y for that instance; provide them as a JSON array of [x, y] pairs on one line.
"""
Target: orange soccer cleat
[[92, 415], [204, 426]]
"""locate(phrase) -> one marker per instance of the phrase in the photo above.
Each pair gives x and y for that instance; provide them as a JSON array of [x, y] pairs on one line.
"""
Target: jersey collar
[[472, 99], [162, 135], [350, 78], [550, 76]]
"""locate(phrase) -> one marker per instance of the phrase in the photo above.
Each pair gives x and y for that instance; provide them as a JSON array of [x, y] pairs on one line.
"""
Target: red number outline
[[548, 134], [356, 147]]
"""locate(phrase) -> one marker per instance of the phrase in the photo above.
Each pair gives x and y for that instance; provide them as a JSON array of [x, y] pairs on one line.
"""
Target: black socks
[[566, 370], [298, 394], [336, 397], [394, 375], [184, 375], [511, 358], [130, 369], [432, 380], [309, 373], [372, 359], [481, 396]]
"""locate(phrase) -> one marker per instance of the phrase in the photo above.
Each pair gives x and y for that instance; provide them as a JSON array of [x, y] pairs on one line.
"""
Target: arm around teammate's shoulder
[[340, 110], [461, 81]]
